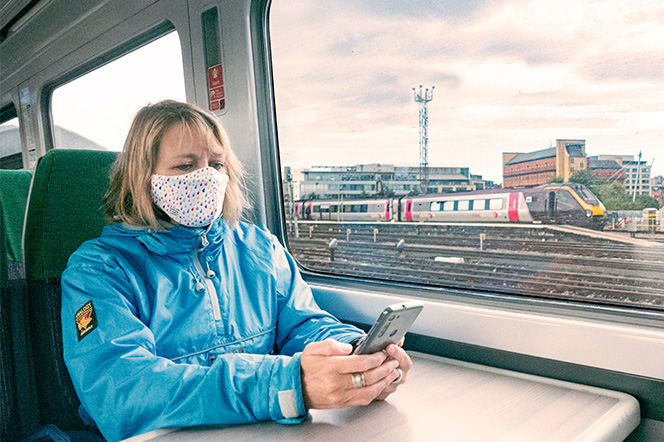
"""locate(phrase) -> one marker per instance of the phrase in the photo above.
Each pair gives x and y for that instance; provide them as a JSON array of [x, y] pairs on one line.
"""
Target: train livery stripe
[[409, 207], [513, 207]]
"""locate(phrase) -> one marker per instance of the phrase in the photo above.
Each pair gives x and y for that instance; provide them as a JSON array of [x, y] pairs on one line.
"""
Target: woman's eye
[[218, 166], [183, 167]]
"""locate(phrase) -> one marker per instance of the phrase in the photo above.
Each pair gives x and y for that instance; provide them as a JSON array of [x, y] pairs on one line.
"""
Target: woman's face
[[183, 151]]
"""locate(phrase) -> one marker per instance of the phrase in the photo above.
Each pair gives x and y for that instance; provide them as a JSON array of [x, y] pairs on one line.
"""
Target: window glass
[[495, 204], [554, 102], [479, 204], [94, 111], [10, 145]]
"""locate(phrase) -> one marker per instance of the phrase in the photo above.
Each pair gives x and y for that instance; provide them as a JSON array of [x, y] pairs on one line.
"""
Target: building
[[606, 169], [371, 180], [542, 166], [637, 173]]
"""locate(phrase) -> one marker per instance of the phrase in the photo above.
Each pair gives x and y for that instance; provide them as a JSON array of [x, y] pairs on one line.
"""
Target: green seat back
[[64, 210], [16, 406], [14, 187]]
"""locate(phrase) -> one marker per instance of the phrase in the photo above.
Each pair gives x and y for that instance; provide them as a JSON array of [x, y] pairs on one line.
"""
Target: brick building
[[607, 169], [540, 167]]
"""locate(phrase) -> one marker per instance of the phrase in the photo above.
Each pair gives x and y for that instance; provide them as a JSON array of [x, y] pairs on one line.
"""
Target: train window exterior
[[448, 206], [495, 204], [504, 91], [463, 205], [10, 140], [479, 204], [94, 111]]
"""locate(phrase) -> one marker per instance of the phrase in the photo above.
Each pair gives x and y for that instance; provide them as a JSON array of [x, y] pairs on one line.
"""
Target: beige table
[[449, 400]]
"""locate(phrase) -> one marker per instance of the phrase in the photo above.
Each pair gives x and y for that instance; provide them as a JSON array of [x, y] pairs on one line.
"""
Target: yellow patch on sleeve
[[86, 320]]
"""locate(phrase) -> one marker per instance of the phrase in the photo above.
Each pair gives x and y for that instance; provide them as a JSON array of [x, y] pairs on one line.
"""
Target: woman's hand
[[396, 353], [327, 375]]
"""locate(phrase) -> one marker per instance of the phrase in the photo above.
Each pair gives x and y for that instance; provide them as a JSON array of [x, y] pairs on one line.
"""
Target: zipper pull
[[210, 273], [204, 242]]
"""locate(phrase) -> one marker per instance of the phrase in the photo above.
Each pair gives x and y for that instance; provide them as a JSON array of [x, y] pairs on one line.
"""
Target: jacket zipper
[[212, 292]]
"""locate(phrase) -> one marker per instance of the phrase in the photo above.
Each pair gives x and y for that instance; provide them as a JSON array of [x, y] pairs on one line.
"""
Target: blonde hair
[[129, 198]]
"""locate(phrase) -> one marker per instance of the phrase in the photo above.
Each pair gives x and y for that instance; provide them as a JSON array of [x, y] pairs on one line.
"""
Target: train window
[[496, 204], [479, 204], [10, 139], [448, 206], [463, 205], [506, 93], [94, 111]]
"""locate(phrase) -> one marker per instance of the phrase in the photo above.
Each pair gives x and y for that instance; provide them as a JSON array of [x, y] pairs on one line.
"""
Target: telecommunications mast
[[423, 99]]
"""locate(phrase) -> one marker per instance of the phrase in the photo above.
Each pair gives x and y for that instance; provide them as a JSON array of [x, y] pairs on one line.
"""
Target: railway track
[[548, 266], [541, 241]]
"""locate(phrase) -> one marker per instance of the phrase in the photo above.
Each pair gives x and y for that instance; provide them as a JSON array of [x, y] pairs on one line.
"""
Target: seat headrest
[[64, 208]]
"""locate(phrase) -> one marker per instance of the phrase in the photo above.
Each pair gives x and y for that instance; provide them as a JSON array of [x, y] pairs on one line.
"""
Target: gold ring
[[397, 380], [358, 380]]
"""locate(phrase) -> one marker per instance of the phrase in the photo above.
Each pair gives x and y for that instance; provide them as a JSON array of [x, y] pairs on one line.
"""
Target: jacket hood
[[177, 239]]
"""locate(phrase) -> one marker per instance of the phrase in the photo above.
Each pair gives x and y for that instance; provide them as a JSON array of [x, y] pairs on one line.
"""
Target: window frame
[[142, 39], [462, 335], [276, 219]]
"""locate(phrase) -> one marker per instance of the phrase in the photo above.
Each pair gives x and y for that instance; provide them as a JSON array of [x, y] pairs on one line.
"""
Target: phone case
[[390, 327]]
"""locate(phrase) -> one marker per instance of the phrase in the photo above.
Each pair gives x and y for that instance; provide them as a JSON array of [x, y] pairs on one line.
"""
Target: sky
[[101, 104], [509, 76]]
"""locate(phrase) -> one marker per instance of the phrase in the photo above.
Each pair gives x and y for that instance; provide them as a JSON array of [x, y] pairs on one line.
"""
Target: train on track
[[568, 203]]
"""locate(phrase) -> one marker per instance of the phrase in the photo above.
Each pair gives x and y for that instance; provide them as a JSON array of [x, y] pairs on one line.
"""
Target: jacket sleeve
[[300, 319], [127, 389]]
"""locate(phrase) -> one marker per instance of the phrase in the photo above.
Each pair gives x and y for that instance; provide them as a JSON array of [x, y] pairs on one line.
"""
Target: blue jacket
[[184, 328]]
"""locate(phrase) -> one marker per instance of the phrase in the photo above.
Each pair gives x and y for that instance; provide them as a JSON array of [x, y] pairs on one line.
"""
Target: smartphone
[[390, 327]]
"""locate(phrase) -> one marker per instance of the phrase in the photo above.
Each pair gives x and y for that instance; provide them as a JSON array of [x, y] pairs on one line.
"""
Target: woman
[[181, 315]]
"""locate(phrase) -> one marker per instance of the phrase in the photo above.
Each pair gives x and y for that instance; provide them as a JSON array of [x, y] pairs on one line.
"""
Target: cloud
[[509, 75]]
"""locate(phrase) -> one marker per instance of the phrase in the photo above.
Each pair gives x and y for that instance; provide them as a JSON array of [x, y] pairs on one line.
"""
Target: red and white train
[[569, 203]]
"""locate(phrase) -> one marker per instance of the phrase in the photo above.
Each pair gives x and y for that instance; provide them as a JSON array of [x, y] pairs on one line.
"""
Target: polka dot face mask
[[194, 199]]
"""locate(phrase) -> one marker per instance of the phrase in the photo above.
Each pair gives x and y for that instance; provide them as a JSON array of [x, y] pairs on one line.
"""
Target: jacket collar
[[177, 239]]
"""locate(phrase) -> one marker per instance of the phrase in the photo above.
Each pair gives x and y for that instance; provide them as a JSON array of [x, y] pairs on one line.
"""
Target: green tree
[[557, 179], [646, 202], [613, 196]]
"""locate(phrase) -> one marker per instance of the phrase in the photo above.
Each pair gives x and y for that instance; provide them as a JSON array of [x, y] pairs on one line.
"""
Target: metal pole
[[638, 178]]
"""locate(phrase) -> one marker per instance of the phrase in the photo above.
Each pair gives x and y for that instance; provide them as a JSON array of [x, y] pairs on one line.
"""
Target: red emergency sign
[[216, 93]]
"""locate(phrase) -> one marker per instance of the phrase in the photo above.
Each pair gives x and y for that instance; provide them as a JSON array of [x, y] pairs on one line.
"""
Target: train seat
[[15, 392], [14, 188], [64, 210]]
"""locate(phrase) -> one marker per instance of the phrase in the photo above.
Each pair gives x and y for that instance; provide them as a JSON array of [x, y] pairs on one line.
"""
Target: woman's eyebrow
[[185, 156]]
